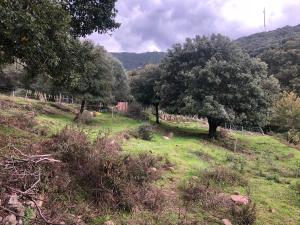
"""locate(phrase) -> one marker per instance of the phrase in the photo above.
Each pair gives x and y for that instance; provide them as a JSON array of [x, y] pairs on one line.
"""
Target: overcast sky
[[154, 25]]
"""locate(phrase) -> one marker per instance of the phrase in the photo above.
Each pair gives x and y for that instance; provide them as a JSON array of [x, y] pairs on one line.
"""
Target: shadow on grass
[[194, 132]]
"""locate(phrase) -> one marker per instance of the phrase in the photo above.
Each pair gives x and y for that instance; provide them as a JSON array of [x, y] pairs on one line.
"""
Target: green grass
[[270, 165], [102, 123]]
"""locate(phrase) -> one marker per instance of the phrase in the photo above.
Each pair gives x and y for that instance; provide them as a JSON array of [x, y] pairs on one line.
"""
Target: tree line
[[42, 38]]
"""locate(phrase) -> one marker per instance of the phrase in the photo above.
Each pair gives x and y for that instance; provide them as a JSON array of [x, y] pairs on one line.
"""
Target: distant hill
[[257, 43], [280, 49], [135, 60]]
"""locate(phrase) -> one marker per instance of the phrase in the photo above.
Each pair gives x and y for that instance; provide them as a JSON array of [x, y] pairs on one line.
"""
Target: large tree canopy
[[92, 76], [31, 31], [144, 86], [120, 82], [37, 33], [213, 78], [88, 16]]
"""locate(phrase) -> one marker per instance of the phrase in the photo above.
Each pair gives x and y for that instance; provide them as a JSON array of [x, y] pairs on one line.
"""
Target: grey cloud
[[147, 24]]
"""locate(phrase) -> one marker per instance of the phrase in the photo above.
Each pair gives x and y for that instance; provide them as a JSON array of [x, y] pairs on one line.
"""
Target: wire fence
[[254, 129], [28, 94]]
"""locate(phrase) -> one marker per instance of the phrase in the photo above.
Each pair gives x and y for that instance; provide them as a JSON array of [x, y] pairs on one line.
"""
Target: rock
[[170, 135], [20, 222], [272, 210], [1, 218], [109, 223], [15, 205], [10, 220], [166, 138], [152, 170], [30, 204], [226, 222], [40, 201], [240, 199]]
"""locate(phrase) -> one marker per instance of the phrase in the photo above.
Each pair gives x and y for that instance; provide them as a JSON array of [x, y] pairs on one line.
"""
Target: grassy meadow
[[270, 166]]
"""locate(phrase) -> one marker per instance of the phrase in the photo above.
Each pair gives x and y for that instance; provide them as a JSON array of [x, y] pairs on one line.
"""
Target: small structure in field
[[122, 106]]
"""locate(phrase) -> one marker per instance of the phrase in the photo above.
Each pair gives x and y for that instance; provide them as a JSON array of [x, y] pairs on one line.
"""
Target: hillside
[[135, 60], [260, 167], [257, 43]]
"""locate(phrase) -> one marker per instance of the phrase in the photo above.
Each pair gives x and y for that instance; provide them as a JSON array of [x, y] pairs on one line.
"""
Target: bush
[[222, 176], [293, 136], [145, 132], [114, 180], [297, 187], [86, 117], [244, 214], [23, 121], [135, 111]]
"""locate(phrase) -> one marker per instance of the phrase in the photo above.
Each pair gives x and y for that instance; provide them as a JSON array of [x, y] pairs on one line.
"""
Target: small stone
[[226, 222], [152, 170], [14, 204], [272, 210], [40, 201], [109, 223], [170, 135], [240, 199], [1, 218], [166, 138], [30, 204], [20, 222], [10, 220]]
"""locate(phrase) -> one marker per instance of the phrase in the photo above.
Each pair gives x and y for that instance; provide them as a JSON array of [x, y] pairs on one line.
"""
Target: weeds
[[114, 180], [145, 132], [243, 214], [222, 176]]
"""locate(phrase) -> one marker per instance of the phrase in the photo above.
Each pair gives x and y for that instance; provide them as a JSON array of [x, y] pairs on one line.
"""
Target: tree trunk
[[156, 113], [213, 125], [80, 111], [82, 106]]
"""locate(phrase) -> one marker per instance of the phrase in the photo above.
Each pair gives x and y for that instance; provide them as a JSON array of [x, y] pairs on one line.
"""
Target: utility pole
[[265, 27]]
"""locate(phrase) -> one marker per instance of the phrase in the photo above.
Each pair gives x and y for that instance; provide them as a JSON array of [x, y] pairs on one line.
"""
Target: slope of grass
[[271, 167]]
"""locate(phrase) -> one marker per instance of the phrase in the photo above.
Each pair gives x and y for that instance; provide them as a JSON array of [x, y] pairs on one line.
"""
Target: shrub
[[222, 176], [114, 180], [145, 132], [210, 198], [286, 113], [243, 214], [297, 187], [86, 117], [135, 111], [24, 121], [293, 136]]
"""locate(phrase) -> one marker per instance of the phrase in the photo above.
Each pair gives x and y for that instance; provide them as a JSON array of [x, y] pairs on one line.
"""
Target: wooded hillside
[[135, 60]]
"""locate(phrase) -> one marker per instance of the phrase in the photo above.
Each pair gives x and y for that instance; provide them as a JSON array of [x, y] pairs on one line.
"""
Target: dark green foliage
[[120, 85], [88, 16], [92, 78], [143, 84], [36, 34], [32, 31], [256, 44], [212, 77], [280, 49], [135, 111], [133, 61], [145, 132]]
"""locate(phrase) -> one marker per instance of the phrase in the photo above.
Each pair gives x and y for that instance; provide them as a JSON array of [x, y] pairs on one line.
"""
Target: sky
[[155, 25]]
